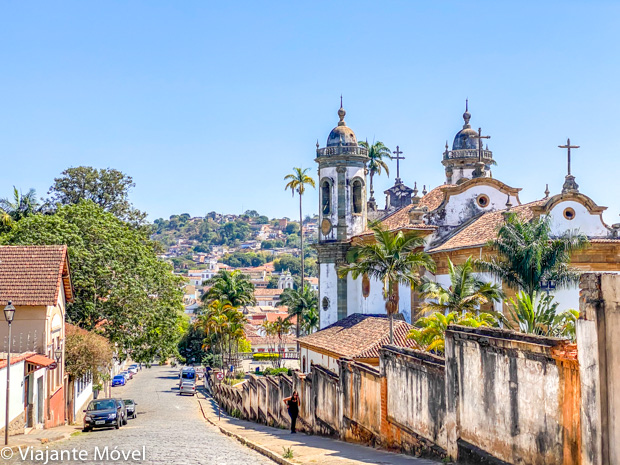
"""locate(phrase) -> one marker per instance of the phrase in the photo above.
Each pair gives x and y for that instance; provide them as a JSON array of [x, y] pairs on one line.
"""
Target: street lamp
[[9, 313], [58, 354]]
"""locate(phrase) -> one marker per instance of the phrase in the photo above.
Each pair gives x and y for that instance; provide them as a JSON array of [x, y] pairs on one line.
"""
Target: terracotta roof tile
[[267, 292], [358, 336], [33, 275], [482, 229]]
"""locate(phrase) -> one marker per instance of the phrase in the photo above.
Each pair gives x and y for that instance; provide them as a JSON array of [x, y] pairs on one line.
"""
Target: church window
[[569, 214], [483, 201], [326, 197], [357, 196]]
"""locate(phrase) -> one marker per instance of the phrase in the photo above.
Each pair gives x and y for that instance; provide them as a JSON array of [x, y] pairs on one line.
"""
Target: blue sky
[[209, 104]]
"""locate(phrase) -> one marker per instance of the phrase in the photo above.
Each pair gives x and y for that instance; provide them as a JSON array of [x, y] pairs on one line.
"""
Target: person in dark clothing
[[292, 403]]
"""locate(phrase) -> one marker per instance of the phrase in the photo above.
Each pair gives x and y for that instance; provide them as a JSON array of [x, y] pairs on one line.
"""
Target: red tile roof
[[358, 336], [483, 229], [33, 275], [267, 292]]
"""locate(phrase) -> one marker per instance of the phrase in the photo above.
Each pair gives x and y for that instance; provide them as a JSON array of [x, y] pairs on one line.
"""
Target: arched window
[[357, 196], [326, 197]]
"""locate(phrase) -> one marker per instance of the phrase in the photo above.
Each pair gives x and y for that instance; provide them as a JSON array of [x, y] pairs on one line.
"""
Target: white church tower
[[342, 214]]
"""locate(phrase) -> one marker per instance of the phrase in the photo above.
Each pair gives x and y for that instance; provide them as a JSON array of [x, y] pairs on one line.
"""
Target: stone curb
[[252, 445], [16, 447]]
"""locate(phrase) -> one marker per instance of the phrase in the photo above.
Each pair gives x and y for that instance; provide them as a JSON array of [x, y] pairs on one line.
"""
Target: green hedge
[[265, 356]]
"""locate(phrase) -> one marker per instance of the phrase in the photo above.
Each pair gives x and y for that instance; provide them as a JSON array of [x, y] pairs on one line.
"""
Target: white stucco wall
[[587, 223], [354, 295], [16, 401], [82, 398], [328, 287], [459, 206], [374, 303], [313, 357]]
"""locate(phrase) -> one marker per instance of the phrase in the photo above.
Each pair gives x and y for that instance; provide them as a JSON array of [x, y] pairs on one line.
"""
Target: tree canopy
[[121, 288], [107, 187]]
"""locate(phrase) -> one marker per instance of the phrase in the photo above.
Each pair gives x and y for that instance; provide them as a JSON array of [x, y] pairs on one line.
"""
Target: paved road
[[170, 428]]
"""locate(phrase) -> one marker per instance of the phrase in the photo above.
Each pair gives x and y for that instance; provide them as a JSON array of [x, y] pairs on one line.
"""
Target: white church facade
[[457, 220]]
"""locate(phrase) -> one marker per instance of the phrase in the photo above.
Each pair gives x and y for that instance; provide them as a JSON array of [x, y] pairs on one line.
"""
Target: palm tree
[[214, 322], [376, 153], [527, 254], [310, 321], [299, 304], [297, 182], [20, 207], [232, 286], [393, 259], [278, 329], [466, 293], [429, 331]]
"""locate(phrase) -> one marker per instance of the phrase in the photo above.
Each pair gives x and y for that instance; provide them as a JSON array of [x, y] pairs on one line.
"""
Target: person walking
[[292, 403]]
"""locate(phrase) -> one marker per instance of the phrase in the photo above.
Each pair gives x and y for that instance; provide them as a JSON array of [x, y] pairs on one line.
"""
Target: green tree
[[276, 331], [121, 288], [299, 303], [86, 352], [466, 293], [287, 262], [230, 286], [297, 182], [21, 206], [107, 187], [392, 259], [429, 331], [377, 152], [213, 322], [527, 254]]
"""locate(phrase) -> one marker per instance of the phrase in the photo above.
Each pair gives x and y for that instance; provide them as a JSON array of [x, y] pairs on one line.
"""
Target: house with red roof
[[36, 280]]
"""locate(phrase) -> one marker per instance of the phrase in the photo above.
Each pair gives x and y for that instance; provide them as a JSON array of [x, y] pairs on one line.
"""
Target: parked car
[[130, 405], [101, 413], [132, 369], [187, 387], [127, 374], [122, 411], [136, 366], [119, 380]]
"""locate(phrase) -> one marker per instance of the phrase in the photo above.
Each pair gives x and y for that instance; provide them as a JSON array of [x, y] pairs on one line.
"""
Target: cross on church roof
[[568, 147], [569, 184], [398, 158]]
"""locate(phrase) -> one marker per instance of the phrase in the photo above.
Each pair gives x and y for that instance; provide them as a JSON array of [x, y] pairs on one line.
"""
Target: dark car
[[119, 380], [101, 413], [130, 405]]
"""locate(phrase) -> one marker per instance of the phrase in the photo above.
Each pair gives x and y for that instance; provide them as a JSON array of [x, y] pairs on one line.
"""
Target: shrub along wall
[[498, 397]]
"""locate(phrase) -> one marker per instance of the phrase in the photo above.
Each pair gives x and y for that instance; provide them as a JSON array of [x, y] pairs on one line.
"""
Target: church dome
[[341, 134], [463, 139]]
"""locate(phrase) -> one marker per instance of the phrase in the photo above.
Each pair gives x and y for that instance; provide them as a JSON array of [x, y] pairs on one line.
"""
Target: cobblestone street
[[170, 428]]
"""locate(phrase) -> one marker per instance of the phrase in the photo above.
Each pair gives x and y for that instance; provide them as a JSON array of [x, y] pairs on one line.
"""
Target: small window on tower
[[357, 196], [326, 197]]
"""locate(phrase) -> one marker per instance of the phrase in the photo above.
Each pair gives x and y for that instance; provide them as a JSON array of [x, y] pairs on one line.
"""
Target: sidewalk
[[306, 449], [36, 437]]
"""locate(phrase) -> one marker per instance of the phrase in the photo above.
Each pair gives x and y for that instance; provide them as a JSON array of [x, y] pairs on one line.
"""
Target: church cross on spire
[[569, 184], [398, 158], [568, 147], [480, 137]]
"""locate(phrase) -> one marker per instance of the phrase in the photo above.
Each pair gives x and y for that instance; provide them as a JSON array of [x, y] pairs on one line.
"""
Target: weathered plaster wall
[[328, 287], [416, 394], [463, 206], [512, 396], [497, 397], [599, 359]]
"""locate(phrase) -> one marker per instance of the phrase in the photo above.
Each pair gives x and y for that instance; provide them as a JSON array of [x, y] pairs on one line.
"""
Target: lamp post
[[9, 313]]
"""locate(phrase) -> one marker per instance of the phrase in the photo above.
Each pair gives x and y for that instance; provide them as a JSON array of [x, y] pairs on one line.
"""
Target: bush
[[275, 371], [265, 356]]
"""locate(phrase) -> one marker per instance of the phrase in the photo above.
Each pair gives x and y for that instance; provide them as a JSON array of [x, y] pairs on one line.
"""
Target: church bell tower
[[342, 213]]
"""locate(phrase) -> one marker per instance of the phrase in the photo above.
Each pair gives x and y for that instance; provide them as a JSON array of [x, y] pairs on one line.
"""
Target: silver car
[[187, 387]]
